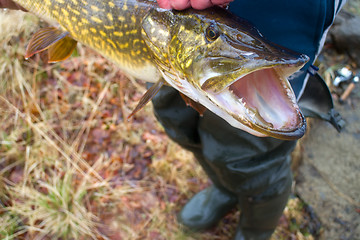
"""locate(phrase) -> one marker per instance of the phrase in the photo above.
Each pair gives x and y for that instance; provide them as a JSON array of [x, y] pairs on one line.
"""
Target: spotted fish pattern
[[113, 28]]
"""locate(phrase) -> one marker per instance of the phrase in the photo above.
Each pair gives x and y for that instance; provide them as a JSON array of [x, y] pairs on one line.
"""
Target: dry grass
[[72, 166]]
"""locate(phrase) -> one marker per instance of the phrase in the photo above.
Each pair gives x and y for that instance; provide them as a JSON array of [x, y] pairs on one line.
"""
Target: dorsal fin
[[195, 105], [59, 43], [150, 93]]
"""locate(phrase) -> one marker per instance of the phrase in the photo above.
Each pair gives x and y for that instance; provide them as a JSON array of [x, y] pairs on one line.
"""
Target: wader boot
[[260, 215], [248, 171], [211, 204]]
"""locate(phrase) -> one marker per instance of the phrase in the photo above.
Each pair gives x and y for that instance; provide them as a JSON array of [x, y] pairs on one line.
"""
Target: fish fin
[[61, 49], [195, 105], [150, 93], [43, 39]]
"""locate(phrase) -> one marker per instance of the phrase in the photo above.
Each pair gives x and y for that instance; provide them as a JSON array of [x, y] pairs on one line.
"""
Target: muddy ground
[[329, 177]]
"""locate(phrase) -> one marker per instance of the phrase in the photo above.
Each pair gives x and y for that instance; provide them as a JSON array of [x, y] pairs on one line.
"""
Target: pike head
[[224, 63]]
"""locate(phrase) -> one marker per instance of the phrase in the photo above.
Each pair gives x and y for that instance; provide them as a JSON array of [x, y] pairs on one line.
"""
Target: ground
[[328, 178], [73, 167]]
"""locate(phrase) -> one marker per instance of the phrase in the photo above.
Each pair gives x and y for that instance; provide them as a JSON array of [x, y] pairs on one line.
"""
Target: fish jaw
[[256, 96], [261, 103]]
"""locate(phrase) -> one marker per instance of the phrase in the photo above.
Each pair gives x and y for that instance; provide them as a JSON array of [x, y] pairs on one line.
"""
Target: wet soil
[[328, 179]]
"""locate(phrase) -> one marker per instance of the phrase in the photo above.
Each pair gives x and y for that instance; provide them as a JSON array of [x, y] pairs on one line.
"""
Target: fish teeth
[[290, 94]]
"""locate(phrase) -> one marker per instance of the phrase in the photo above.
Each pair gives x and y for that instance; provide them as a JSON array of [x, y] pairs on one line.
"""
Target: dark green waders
[[248, 171]]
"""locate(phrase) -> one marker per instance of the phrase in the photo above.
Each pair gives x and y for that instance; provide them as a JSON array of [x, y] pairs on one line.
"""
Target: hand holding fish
[[196, 4]]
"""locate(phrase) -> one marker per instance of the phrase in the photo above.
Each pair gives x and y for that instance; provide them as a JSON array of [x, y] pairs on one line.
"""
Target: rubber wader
[[248, 171]]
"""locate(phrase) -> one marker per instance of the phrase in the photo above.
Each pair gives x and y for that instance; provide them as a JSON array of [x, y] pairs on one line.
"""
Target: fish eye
[[212, 33]]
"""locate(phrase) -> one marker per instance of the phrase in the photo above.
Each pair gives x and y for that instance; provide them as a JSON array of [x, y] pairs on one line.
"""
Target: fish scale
[[110, 27]]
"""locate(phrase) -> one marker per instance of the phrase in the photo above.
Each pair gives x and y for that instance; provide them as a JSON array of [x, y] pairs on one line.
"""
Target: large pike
[[211, 56]]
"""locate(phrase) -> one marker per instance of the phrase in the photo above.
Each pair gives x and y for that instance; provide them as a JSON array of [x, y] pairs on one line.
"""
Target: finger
[[201, 4], [221, 2], [180, 4]]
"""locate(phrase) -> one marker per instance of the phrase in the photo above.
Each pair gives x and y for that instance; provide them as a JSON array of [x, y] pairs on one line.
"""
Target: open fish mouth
[[264, 102]]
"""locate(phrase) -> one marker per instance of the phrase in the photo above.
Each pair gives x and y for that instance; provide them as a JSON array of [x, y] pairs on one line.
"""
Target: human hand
[[10, 5], [196, 4]]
